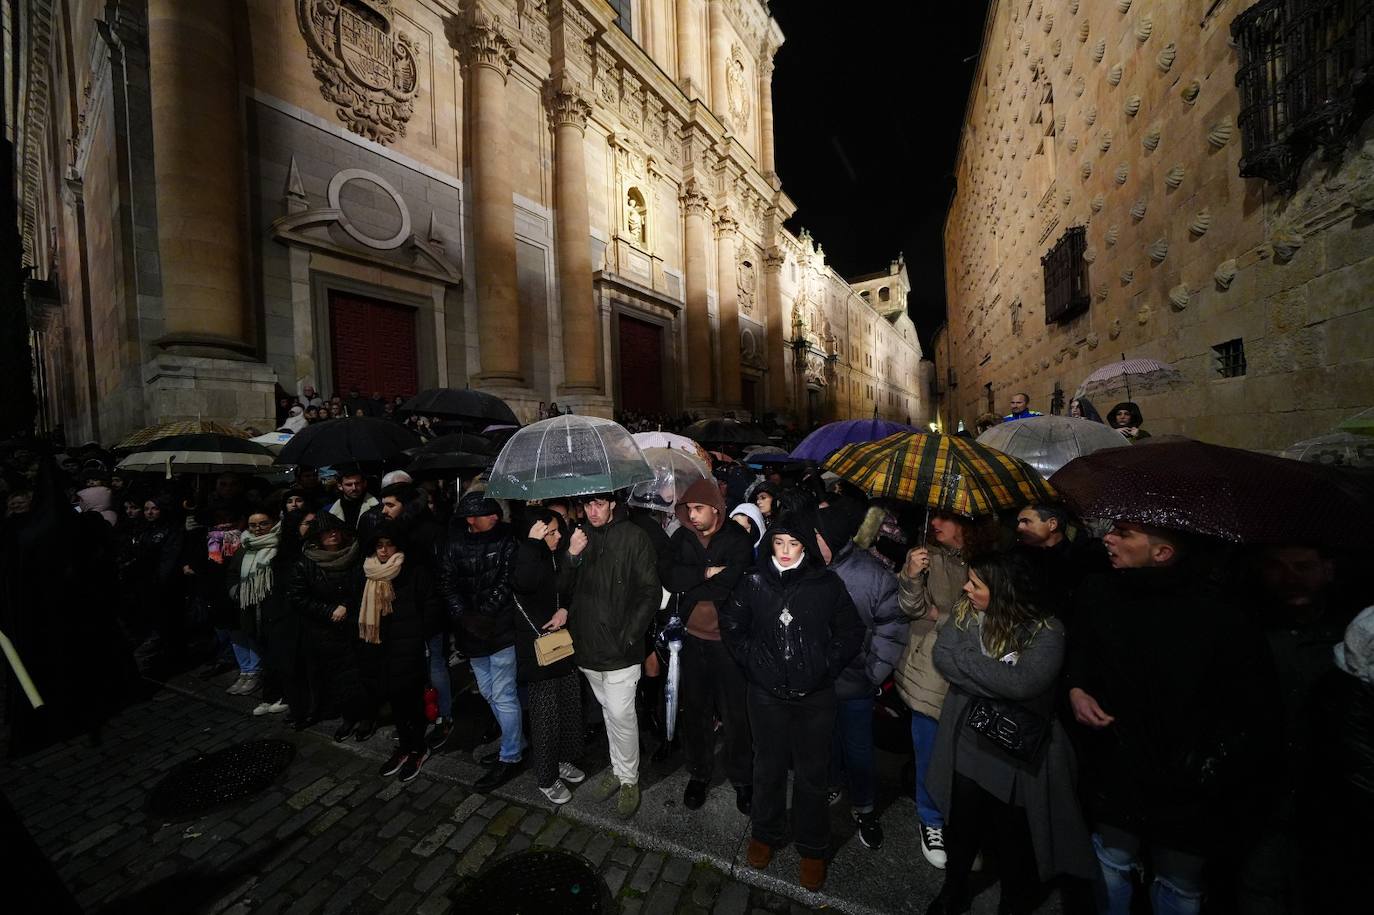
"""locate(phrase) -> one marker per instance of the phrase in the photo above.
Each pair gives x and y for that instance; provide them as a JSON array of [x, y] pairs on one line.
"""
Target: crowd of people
[[1151, 712], [1124, 417]]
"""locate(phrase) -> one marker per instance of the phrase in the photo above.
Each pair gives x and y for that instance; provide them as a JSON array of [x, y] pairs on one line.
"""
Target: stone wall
[[1121, 117]]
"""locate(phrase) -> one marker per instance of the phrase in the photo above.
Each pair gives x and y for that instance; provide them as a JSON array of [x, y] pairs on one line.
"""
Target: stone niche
[[633, 251]]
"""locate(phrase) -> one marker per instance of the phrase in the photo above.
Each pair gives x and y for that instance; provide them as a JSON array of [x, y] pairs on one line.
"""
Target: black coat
[[615, 592], [805, 655], [475, 575], [403, 630], [314, 593], [682, 568], [535, 583], [1192, 688]]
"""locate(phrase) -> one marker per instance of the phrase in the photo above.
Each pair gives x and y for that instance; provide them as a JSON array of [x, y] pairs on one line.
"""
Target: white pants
[[615, 690]]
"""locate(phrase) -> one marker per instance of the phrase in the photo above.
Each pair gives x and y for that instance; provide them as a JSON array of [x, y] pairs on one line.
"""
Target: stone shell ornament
[[1073, 7], [1165, 58], [1180, 296], [1286, 242], [1114, 74], [1202, 221], [1190, 91], [1104, 142], [1099, 50], [1073, 144], [1097, 203], [1221, 133], [1114, 329], [1225, 274], [1123, 6], [1056, 47], [1086, 171], [1144, 28], [1132, 106], [1083, 31], [1138, 209], [1174, 177], [1113, 233], [1060, 121], [1151, 139], [1089, 254], [1123, 172], [1101, 292], [1159, 250], [1047, 24], [1127, 276]]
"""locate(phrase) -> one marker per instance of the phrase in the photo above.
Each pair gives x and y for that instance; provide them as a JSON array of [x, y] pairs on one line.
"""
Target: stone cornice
[[36, 22], [486, 40]]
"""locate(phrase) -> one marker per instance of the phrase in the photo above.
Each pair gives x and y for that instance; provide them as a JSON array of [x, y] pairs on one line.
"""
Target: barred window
[[1229, 358], [1066, 277]]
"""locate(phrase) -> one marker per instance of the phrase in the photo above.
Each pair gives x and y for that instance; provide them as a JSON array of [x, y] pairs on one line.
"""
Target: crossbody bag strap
[[537, 633]]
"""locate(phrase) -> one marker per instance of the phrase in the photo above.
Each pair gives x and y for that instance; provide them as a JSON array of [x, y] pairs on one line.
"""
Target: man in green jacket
[[612, 573]]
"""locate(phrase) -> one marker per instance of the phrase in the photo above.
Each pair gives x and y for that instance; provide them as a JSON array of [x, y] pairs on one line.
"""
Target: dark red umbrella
[[1228, 493]]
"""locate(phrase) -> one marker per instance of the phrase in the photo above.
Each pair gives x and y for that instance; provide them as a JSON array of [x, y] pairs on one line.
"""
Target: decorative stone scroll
[[364, 67]]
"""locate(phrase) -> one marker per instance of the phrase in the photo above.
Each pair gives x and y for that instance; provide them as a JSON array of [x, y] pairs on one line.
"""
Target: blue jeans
[[1177, 887], [247, 652], [923, 729], [496, 682], [851, 752], [439, 676]]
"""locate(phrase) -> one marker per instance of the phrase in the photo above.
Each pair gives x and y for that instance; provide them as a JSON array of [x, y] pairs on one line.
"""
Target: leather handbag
[[1012, 728], [549, 647]]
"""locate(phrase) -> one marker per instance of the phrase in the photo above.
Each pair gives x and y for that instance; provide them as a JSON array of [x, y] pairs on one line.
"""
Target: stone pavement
[[330, 836]]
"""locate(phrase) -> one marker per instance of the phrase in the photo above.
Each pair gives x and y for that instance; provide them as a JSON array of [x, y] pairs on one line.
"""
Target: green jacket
[[615, 588]]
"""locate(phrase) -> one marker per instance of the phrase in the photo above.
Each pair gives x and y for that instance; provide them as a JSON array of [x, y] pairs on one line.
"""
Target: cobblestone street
[[331, 836]]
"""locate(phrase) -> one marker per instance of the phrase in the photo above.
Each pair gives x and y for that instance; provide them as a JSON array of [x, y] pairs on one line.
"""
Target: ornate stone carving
[[1221, 133], [1132, 106], [1151, 139], [567, 103], [1180, 296], [1190, 91], [1144, 28], [1097, 203], [636, 216], [1099, 50], [1165, 59], [1114, 74], [1113, 233], [737, 88], [1159, 250], [486, 42], [1225, 275], [1090, 116], [1127, 276], [1201, 223], [364, 67], [1138, 209], [1174, 176], [1083, 31], [746, 285], [1073, 144], [1086, 171], [1123, 6], [1286, 241], [1104, 142], [694, 202], [1123, 171]]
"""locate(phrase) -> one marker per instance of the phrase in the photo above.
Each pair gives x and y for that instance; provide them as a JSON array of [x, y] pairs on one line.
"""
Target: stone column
[[569, 109], [766, 160], [198, 167], [699, 392], [720, 55], [489, 53], [689, 75], [779, 332], [727, 296]]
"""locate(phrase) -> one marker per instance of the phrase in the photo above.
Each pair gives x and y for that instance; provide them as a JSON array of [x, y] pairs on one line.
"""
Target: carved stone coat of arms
[[365, 66]]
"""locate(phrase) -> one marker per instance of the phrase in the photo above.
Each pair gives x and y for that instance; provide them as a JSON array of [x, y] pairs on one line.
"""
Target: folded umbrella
[[568, 455], [1227, 493], [942, 473], [202, 452], [831, 437], [351, 440], [1049, 442]]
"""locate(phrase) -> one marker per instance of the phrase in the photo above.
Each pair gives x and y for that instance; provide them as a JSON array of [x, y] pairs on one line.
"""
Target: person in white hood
[[748, 516], [98, 499]]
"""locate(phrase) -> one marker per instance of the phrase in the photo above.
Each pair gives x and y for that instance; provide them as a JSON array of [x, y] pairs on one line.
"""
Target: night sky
[[868, 99]]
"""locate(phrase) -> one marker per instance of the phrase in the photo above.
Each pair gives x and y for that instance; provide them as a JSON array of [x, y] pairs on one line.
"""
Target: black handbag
[[1012, 728]]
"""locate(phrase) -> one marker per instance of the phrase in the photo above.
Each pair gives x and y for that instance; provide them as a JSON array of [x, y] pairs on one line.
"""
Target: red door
[[373, 345], [641, 366]]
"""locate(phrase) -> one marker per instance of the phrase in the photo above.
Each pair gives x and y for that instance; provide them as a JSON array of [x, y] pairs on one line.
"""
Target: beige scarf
[[377, 596]]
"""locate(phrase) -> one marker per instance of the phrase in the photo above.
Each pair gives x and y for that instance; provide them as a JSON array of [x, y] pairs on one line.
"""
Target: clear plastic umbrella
[[674, 471], [646, 440], [1049, 442], [570, 455], [1337, 449]]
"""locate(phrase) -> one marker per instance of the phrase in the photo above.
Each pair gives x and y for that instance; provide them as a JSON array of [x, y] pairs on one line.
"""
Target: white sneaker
[[270, 708], [558, 792], [236, 688], [571, 774], [933, 845]]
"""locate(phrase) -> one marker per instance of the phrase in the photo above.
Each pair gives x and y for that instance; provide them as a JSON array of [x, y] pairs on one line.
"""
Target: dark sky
[[868, 99]]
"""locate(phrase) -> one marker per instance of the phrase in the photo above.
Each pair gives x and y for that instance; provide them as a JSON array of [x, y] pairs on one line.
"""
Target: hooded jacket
[[822, 631], [684, 564], [615, 588], [475, 573], [874, 592], [97, 499]]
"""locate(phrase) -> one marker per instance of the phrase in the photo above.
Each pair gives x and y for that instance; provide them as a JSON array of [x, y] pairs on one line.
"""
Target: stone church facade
[[1134, 120], [568, 201]]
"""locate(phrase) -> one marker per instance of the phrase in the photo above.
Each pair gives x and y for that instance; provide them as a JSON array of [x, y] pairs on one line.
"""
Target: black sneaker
[[933, 845], [365, 730], [411, 767], [439, 735], [695, 795], [496, 776], [870, 830], [833, 796], [744, 799], [344, 730], [393, 765]]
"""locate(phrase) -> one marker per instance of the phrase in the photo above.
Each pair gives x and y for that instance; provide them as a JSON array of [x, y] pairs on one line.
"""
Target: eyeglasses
[[260, 525]]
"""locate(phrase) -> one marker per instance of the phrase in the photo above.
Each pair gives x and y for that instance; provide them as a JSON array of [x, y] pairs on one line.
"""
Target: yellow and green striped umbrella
[[941, 472]]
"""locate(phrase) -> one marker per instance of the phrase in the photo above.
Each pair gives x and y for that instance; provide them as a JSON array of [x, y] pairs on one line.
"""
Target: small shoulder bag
[[549, 647]]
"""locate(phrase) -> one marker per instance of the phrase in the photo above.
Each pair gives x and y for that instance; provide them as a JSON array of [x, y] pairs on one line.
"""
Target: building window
[[884, 294], [623, 12], [1229, 358], [1305, 66], [1066, 277]]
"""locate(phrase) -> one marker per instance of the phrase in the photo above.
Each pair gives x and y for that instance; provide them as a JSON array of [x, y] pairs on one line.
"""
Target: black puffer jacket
[[535, 583], [615, 591], [475, 574], [314, 593], [807, 654]]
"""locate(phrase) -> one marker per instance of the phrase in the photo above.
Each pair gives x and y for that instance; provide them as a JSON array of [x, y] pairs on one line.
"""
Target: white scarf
[[792, 568], [255, 575]]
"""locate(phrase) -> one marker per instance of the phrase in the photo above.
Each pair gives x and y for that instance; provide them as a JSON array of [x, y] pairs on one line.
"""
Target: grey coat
[[1058, 831], [874, 592]]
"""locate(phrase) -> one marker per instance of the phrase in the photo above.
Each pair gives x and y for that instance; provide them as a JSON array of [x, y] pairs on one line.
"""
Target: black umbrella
[[457, 443], [428, 466], [352, 440], [726, 432], [465, 404], [199, 452]]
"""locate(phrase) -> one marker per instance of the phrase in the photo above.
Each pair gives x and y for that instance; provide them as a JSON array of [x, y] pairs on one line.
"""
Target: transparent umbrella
[[674, 471], [1337, 449], [570, 455], [1049, 442]]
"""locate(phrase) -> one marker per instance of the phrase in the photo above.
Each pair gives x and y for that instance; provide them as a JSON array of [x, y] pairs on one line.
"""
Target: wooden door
[[373, 346]]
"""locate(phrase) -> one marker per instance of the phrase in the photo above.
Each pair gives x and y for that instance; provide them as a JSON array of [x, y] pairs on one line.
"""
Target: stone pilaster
[[767, 161], [727, 294], [720, 56], [689, 70], [568, 112], [778, 331], [487, 53], [696, 214]]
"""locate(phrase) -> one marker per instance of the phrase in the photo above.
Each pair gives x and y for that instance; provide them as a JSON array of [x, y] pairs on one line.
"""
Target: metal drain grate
[[536, 881], [228, 775]]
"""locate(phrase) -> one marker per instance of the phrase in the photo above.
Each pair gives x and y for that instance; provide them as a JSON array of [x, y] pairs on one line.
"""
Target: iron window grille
[[1229, 358], [1305, 80], [1066, 276]]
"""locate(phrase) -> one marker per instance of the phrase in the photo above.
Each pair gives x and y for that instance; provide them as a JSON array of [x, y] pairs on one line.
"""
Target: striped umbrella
[[941, 472], [180, 427], [1144, 375], [203, 452]]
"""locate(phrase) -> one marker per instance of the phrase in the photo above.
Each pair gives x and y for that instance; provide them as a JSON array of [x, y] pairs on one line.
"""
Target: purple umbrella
[[829, 438]]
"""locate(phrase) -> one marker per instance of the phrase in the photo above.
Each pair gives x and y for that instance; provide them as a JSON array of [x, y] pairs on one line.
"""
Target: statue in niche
[[745, 283], [635, 220]]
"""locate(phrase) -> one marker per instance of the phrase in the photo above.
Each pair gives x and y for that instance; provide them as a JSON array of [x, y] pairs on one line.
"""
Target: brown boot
[[812, 873], [759, 854]]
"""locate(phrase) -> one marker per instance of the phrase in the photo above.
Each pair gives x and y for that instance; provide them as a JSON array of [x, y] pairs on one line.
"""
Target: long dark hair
[[1013, 615]]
